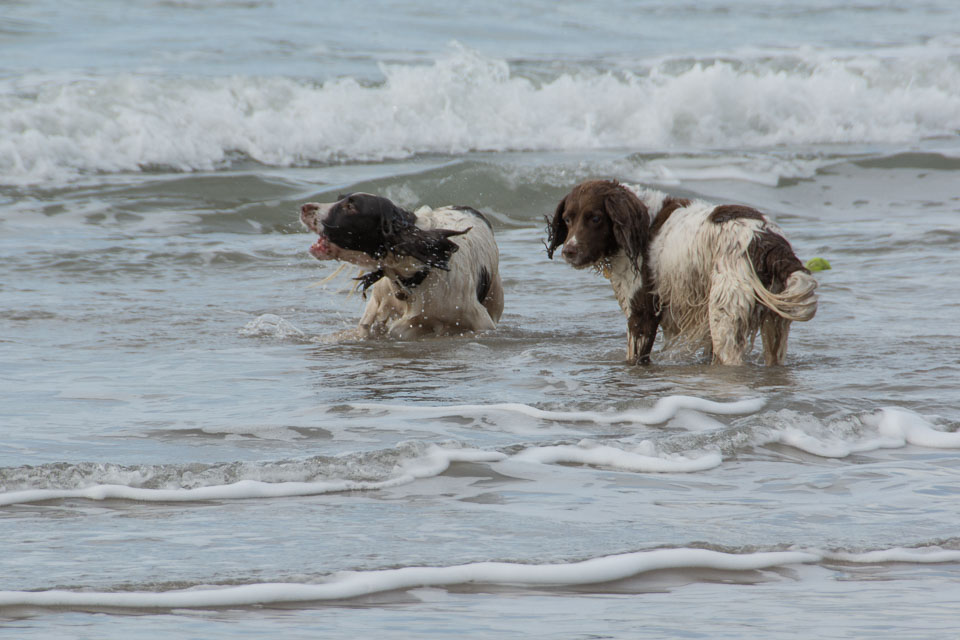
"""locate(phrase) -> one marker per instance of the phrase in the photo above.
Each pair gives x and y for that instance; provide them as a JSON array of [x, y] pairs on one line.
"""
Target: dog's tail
[[796, 302]]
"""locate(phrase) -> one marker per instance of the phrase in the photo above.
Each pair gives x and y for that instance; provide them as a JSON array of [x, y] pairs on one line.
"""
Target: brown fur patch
[[669, 206], [773, 259], [727, 212]]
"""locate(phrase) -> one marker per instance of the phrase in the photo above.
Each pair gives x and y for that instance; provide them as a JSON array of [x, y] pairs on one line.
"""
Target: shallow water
[[177, 423]]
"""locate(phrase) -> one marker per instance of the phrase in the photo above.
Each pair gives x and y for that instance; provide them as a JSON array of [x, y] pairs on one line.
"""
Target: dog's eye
[[566, 220], [595, 219]]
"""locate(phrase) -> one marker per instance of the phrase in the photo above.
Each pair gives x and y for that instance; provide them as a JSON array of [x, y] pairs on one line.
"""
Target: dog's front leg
[[642, 327], [640, 343], [370, 313], [382, 308]]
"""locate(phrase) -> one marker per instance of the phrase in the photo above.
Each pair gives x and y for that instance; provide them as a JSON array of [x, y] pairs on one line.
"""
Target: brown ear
[[631, 223], [556, 229], [431, 247]]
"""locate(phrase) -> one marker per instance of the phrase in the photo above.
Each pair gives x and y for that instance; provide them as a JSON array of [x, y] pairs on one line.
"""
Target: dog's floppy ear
[[631, 222], [556, 229], [432, 247]]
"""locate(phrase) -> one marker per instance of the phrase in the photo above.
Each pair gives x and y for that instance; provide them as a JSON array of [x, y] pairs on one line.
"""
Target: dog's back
[[724, 272], [478, 260], [467, 297], [711, 276]]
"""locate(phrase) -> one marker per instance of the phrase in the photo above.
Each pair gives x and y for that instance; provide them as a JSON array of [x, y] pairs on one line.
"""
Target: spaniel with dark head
[[435, 271], [711, 276]]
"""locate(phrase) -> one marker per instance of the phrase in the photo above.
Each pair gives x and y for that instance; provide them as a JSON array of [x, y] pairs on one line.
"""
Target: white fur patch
[[706, 283], [446, 301]]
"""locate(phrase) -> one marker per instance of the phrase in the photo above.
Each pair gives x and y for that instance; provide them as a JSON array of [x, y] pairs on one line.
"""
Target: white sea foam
[[884, 556], [592, 454], [434, 461], [663, 410], [53, 128], [689, 451], [352, 584], [903, 426], [888, 428]]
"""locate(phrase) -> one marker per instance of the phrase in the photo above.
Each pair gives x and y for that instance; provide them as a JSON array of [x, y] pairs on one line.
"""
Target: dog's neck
[[624, 275], [405, 275], [406, 286], [624, 278], [401, 267]]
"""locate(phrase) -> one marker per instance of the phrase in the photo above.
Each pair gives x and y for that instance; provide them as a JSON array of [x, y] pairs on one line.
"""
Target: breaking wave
[[54, 128]]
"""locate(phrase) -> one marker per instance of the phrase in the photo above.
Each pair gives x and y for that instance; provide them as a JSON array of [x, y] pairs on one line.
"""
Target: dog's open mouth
[[326, 249], [322, 249]]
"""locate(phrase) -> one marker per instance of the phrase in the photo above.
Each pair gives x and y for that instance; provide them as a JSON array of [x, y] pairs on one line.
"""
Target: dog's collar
[[405, 285], [367, 280], [416, 279], [604, 268]]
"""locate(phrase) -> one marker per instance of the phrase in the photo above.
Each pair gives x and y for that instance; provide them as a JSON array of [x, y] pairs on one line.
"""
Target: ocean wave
[[693, 443], [198, 482], [352, 584], [55, 128], [709, 442]]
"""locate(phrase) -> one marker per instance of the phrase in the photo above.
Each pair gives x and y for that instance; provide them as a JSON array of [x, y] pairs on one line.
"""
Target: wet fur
[[433, 272], [711, 276]]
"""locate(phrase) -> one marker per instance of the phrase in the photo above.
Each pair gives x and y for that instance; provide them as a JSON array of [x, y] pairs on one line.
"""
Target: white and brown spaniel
[[421, 281], [710, 275]]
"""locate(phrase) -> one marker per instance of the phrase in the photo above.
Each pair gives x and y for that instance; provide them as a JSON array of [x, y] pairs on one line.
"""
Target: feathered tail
[[798, 300]]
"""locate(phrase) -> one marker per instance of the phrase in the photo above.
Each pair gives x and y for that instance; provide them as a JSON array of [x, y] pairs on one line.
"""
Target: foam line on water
[[684, 452], [662, 411], [890, 428], [435, 462], [903, 425], [898, 554], [613, 457], [352, 584]]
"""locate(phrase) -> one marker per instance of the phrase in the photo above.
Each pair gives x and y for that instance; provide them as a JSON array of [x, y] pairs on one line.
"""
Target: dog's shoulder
[[455, 214], [457, 218], [447, 217], [475, 213], [680, 215]]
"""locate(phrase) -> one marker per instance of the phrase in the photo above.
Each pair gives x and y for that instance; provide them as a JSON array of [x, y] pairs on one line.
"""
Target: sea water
[[187, 452]]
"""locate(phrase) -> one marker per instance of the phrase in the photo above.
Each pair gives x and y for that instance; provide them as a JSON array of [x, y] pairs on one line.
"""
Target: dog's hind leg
[[774, 330], [730, 308], [490, 295]]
